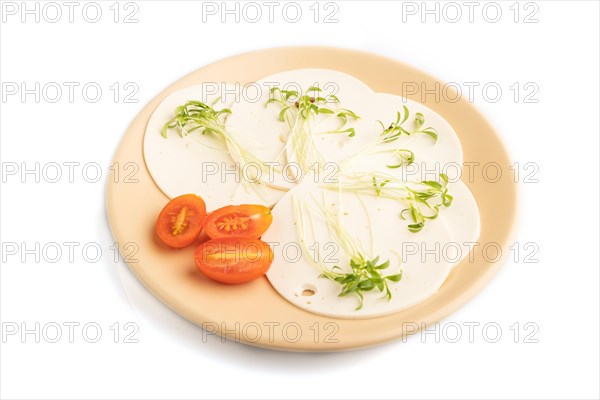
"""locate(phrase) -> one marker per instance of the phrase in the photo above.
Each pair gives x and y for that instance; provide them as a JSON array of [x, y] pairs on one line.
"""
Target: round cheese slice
[[257, 125], [197, 163], [302, 240]]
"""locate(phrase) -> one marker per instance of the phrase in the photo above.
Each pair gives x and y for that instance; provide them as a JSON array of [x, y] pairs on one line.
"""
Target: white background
[[558, 294]]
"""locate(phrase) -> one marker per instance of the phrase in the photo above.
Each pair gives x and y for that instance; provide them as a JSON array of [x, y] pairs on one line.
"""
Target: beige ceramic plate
[[254, 313]]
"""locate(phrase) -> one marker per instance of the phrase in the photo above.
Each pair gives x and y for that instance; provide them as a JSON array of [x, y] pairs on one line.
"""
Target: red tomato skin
[[192, 219], [243, 221], [233, 260]]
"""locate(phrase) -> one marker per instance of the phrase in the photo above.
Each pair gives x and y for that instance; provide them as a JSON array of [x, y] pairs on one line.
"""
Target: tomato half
[[234, 260], [180, 221], [245, 221]]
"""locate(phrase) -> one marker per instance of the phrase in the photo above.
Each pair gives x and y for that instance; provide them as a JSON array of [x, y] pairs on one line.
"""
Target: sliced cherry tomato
[[180, 221], [245, 221], [234, 260]]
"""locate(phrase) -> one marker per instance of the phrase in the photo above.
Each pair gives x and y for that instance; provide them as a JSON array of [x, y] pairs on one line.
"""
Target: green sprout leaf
[[405, 157], [365, 276], [396, 129], [419, 120], [325, 110]]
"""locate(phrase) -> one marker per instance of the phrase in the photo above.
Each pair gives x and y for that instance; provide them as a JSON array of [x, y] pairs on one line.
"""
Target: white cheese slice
[[197, 163], [372, 221], [258, 128]]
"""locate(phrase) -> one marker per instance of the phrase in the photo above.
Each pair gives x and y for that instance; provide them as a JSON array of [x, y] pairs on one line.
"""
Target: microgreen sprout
[[423, 199], [396, 129], [196, 116], [298, 110], [366, 273], [307, 105], [420, 197], [405, 157], [392, 133], [378, 185]]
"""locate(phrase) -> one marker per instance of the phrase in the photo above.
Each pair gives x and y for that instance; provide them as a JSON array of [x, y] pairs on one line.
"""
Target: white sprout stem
[[368, 149], [347, 243], [336, 229], [299, 219]]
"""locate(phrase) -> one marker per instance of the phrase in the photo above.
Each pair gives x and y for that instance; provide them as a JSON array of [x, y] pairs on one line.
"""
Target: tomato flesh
[[244, 221], [180, 221], [234, 260]]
